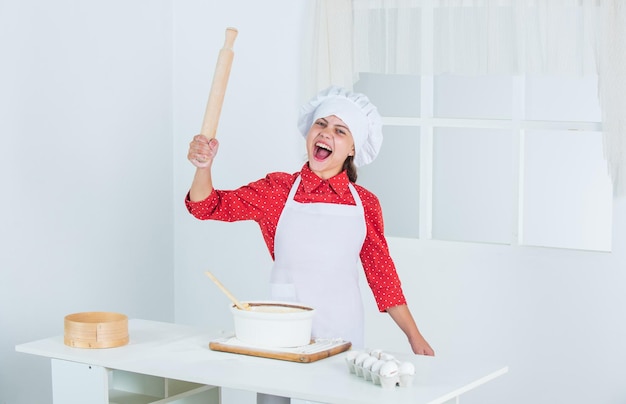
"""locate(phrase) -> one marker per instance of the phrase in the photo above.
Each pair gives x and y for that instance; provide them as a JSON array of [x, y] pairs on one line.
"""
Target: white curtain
[[610, 58], [477, 37], [333, 44]]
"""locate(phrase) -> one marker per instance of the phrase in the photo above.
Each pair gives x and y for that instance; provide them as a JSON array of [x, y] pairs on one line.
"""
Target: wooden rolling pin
[[218, 88], [240, 306]]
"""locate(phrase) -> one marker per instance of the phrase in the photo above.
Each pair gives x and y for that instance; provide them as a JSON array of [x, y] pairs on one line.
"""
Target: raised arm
[[201, 153]]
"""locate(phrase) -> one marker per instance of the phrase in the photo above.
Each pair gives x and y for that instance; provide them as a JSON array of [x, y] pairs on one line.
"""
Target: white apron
[[316, 250]]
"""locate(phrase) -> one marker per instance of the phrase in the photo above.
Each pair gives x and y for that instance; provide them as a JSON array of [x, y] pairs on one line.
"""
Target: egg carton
[[380, 368]]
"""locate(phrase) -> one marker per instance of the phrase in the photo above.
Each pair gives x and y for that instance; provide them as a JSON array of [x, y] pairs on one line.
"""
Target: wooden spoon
[[240, 306]]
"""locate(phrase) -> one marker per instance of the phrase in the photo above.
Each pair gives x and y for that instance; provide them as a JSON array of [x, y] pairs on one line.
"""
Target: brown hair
[[350, 168]]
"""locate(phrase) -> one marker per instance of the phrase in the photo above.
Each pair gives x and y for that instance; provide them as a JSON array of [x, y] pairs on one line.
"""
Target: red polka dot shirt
[[263, 202]]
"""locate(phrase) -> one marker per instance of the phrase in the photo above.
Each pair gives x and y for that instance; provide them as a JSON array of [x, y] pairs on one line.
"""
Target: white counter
[[177, 352]]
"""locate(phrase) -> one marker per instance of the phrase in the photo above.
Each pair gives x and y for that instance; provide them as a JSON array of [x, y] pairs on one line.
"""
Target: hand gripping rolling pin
[[218, 89]]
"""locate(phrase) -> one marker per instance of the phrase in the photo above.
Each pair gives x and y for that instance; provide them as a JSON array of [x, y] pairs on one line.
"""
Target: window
[[493, 159], [491, 114]]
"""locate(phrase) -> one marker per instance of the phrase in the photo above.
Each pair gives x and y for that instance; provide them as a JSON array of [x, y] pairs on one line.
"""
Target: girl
[[318, 223]]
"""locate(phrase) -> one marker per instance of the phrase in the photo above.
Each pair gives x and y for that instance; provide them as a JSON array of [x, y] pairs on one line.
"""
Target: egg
[[366, 366], [350, 357], [406, 373], [386, 356], [368, 362], [375, 369], [388, 369], [358, 363], [360, 358], [406, 368], [388, 374], [376, 353]]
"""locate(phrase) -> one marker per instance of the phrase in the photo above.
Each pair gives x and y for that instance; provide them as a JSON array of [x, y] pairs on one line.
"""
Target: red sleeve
[[261, 201], [380, 270]]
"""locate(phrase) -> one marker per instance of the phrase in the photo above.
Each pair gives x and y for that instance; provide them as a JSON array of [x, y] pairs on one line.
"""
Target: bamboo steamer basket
[[96, 329]]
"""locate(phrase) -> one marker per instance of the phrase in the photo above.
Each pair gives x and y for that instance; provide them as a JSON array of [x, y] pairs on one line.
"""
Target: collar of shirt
[[310, 181]]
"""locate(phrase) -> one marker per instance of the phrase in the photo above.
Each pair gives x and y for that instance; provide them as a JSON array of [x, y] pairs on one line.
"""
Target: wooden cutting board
[[315, 351]]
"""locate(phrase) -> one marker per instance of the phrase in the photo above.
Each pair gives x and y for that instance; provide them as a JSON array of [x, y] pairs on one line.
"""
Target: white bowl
[[273, 324]]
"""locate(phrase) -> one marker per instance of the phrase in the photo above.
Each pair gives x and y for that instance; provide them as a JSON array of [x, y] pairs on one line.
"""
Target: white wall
[[554, 316], [257, 133], [86, 172]]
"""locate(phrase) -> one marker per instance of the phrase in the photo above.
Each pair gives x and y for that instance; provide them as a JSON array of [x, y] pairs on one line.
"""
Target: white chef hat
[[356, 111]]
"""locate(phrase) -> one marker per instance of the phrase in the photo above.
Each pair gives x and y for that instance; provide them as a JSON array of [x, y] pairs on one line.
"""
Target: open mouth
[[322, 151]]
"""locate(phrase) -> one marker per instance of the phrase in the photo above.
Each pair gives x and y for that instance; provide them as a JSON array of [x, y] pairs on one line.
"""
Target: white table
[[173, 363]]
